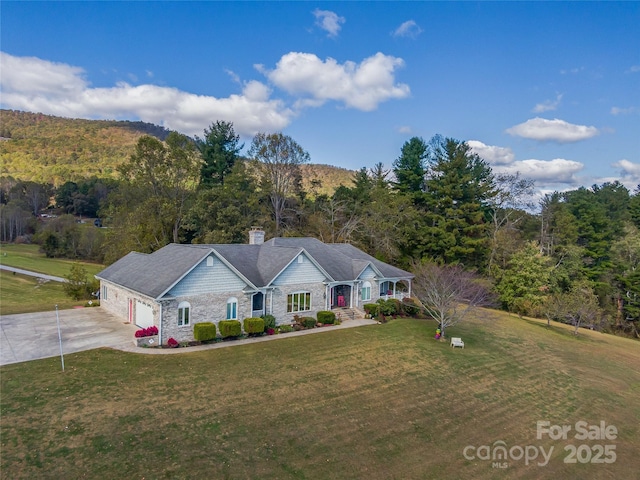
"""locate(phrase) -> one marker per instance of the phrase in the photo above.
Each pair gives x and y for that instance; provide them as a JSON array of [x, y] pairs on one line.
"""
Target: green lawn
[[28, 257], [376, 402], [25, 294]]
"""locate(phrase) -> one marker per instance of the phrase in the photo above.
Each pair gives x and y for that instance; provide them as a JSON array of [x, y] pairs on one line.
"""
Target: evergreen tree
[[459, 186], [219, 149], [409, 169]]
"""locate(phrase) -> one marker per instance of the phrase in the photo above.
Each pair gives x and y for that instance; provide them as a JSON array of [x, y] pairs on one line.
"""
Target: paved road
[[30, 336], [33, 274]]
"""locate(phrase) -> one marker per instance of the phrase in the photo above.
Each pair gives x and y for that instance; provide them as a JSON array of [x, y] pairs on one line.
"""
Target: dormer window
[[300, 258], [209, 261]]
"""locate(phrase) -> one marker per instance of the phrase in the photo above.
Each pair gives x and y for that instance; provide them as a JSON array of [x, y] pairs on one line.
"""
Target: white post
[[59, 337]]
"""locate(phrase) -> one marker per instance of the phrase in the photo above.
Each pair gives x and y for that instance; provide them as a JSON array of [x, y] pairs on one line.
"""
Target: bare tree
[[507, 208], [449, 293], [281, 158], [579, 307]]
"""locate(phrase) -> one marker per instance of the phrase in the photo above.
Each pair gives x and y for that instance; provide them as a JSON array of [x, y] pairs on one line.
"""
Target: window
[[232, 309], [104, 292], [209, 261], [298, 302], [184, 314], [366, 291], [300, 259]]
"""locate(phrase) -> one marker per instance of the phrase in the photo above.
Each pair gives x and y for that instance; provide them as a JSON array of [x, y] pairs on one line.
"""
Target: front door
[[341, 296]]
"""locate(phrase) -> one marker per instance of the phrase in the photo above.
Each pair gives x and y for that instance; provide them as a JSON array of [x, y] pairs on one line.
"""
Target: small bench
[[456, 342]]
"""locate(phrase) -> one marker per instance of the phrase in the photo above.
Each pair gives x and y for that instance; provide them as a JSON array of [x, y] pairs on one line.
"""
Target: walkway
[[130, 347], [32, 336]]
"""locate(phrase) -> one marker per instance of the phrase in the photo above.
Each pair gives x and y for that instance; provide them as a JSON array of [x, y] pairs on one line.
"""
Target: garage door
[[144, 315]]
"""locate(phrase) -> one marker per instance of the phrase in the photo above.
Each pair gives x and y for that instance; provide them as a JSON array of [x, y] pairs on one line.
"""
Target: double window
[[184, 314], [298, 302]]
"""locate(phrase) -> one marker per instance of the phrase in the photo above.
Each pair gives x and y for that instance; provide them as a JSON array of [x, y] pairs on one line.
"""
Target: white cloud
[[40, 76], [329, 21], [492, 154], [552, 130], [37, 85], [408, 29], [634, 68], [405, 129], [548, 105], [623, 111], [362, 86], [558, 170], [629, 173]]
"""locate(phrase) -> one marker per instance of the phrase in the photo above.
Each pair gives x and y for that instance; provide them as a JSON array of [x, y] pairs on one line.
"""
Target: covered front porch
[[396, 288]]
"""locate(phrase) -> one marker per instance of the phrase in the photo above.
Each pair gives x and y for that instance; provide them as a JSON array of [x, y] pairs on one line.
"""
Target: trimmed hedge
[[327, 317], [371, 309], [230, 328], [204, 331], [269, 321], [308, 322], [253, 325]]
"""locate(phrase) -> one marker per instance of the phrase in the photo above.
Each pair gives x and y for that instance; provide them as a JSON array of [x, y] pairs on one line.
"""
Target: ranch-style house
[[180, 285]]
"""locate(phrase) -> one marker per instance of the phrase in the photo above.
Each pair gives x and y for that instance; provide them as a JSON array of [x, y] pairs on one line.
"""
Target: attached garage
[[144, 315]]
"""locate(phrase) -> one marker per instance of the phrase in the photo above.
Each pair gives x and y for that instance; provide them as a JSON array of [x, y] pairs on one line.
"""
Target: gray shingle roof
[[153, 274]]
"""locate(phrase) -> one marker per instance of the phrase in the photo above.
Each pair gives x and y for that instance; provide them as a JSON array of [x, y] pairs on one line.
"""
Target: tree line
[[571, 258]]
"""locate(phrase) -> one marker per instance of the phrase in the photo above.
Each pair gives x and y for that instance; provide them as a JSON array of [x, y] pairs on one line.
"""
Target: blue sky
[[547, 89]]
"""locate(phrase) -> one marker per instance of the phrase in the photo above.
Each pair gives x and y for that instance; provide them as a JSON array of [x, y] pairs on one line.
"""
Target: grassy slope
[[375, 402], [28, 257], [25, 294]]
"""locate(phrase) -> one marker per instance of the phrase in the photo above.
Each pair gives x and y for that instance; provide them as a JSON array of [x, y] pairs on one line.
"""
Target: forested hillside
[[48, 149], [576, 260], [54, 150]]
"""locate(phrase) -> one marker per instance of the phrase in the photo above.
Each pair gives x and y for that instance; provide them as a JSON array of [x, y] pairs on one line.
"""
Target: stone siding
[[279, 305]]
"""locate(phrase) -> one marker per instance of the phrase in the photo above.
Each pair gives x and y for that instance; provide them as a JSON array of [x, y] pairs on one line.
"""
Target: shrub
[[326, 317], [230, 328], [269, 321], [308, 322], [172, 342], [388, 307], [146, 332], [271, 331], [371, 309], [285, 328], [253, 325], [204, 331], [410, 306]]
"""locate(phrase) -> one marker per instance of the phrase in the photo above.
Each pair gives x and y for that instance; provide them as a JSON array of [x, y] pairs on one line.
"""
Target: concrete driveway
[[31, 336]]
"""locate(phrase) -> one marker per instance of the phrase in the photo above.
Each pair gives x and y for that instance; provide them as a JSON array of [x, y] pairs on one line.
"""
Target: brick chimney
[[256, 236]]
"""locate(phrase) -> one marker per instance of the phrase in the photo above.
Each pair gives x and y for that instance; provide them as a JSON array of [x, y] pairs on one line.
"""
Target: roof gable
[[258, 266]]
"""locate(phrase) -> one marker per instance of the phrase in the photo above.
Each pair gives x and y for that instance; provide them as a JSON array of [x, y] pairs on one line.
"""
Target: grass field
[[25, 294], [375, 402], [29, 257]]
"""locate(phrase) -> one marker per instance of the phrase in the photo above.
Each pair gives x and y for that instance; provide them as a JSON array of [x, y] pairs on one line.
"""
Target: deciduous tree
[[280, 157], [449, 293]]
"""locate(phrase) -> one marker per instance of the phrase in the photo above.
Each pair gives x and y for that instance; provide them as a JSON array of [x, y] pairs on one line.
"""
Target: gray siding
[[203, 279], [367, 274], [299, 273]]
